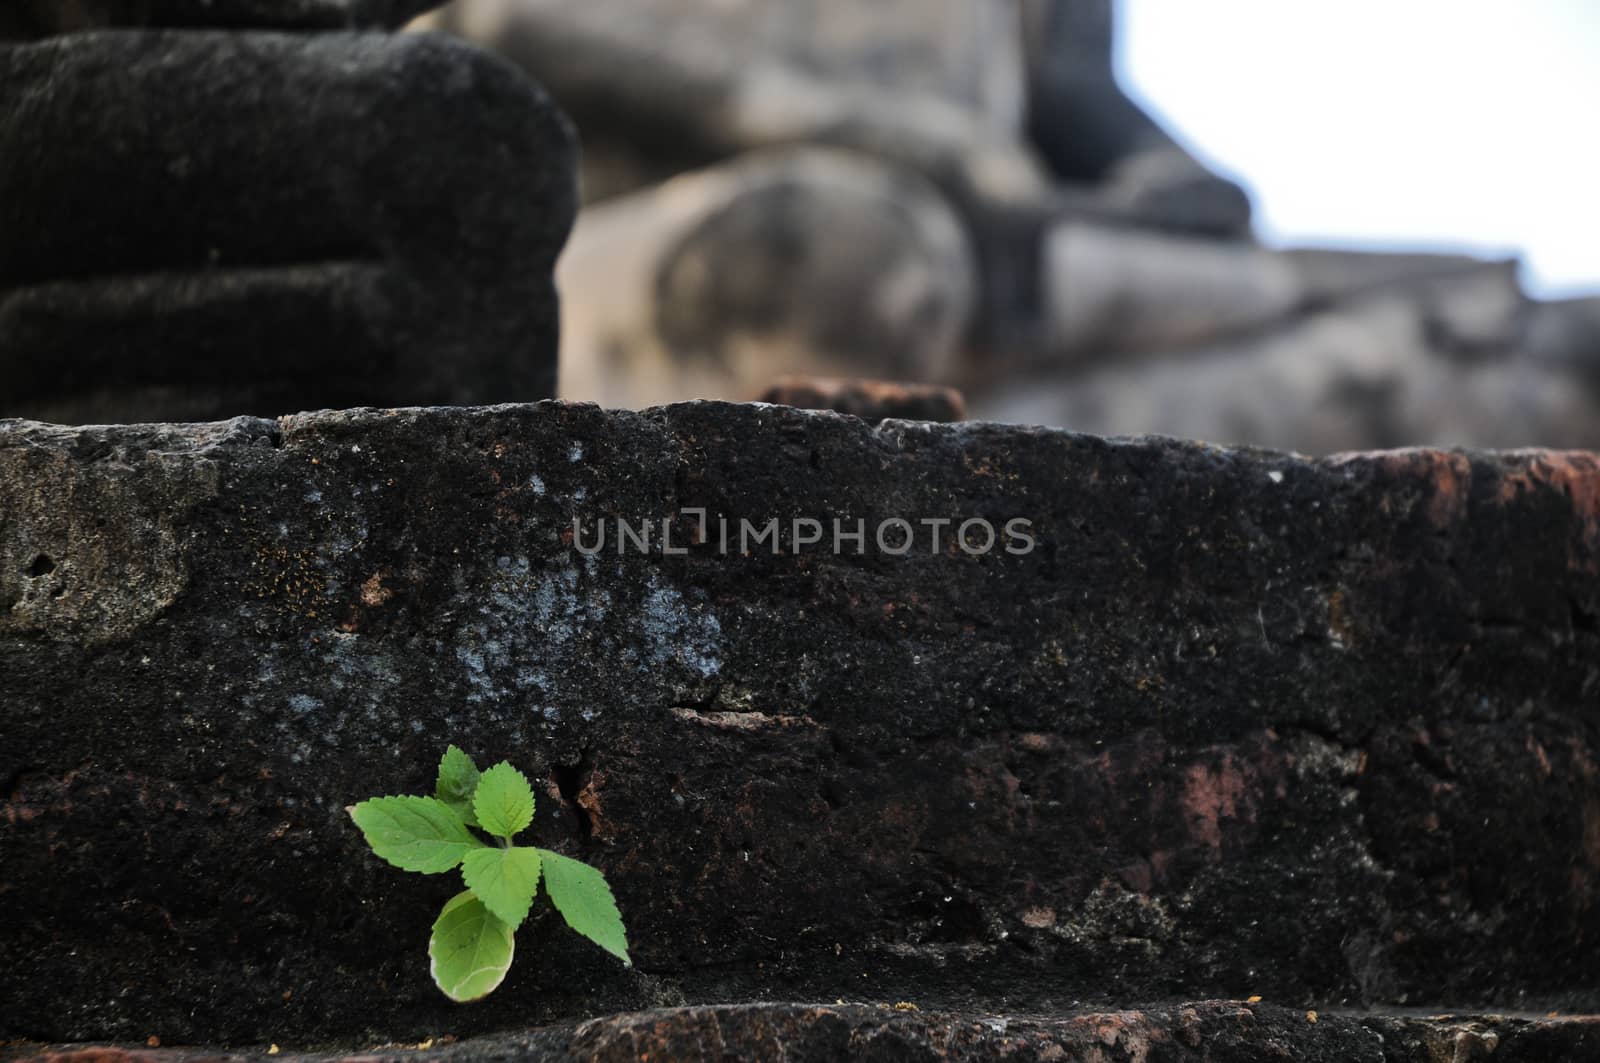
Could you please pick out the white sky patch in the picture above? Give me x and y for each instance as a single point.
(1455, 125)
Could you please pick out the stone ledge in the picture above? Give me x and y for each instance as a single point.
(1205, 1030)
(1240, 722)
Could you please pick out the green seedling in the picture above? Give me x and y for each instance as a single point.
(472, 942)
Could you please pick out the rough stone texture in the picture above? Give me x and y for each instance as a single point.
(871, 400)
(1214, 1031)
(198, 224)
(723, 280)
(1240, 723)
(44, 18)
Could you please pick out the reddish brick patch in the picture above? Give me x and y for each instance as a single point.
(871, 400)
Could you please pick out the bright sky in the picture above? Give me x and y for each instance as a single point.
(1445, 124)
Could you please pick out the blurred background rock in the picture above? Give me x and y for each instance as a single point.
(959, 192)
(219, 207)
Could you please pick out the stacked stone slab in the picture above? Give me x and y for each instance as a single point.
(1230, 723)
(825, 1032)
(206, 211)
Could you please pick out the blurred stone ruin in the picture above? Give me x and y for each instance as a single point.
(958, 192)
(210, 212)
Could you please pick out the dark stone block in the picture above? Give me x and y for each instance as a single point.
(201, 224)
(1238, 723)
(1213, 1031)
(44, 18)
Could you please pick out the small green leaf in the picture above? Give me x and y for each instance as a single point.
(504, 880)
(458, 781)
(470, 950)
(504, 801)
(581, 895)
(414, 833)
